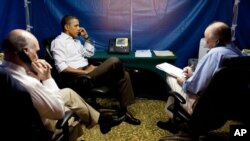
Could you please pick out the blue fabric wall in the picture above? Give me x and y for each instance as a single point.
(175, 25)
(12, 15)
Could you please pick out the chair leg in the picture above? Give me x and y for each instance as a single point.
(66, 133)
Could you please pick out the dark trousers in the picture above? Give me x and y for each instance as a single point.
(112, 72)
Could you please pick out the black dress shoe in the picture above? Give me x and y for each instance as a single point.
(107, 122)
(131, 120)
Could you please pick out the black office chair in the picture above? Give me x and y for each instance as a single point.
(21, 121)
(78, 82)
(225, 98)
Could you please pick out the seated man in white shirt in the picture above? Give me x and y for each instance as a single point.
(34, 74)
(72, 57)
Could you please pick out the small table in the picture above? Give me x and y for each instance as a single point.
(130, 61)
(147, 80)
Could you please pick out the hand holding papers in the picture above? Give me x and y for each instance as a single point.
(170, 69)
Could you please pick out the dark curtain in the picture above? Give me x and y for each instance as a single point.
(12, 15)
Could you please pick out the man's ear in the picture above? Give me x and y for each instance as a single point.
(66, 27)
(24, 50)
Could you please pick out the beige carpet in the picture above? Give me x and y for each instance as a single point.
(149, 112)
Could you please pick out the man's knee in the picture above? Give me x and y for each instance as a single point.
(67, 92)
(127, 75)
(114, 60)
(116, 64)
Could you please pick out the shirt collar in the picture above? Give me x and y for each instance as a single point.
(65, 36)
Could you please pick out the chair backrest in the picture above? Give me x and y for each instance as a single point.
(47, 49)
(48, 56)
(21, 118)
(226, 97)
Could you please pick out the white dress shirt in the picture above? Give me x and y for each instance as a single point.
(69, 52)
(45, 95)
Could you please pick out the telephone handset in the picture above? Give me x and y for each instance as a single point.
(25, 58)
(79, 35)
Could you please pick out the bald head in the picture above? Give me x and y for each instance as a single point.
(20, 46)
(18, 39)
(219, 32)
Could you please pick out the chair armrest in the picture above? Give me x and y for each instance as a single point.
(71, 76)
(83, 76)
(177, 97)
(178, 112)
(72, 79)
(101, 90)
(62, 122)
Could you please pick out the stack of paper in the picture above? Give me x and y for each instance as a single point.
(1, 57)
(143, 53)
(163, 53)
(170, 69)
(246, 52)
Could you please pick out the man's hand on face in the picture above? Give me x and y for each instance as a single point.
(42, 68)
(83, 32)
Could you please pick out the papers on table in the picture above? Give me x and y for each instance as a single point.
(163, 53)
(148, 53)
(143, 53)
(246, 52)
(1, 57)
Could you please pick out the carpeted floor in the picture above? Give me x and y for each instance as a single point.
(149, 112)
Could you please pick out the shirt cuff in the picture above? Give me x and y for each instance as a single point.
(89, 47)
(50, 84)
(184, 86)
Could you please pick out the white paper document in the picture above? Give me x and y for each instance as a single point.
(143, 53)
(170, 69)
(163, 53)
